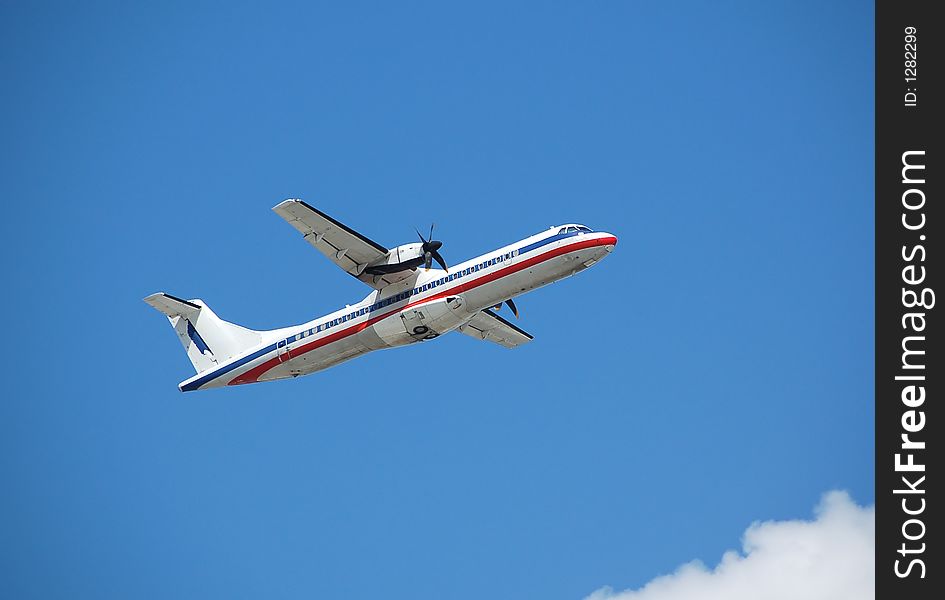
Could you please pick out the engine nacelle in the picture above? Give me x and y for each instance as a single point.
(401, 258)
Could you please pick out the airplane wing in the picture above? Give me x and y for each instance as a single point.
(342, 245)
(491, 327)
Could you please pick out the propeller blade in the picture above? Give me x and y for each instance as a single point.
(511, 305)
(431, 250)
(439, 259)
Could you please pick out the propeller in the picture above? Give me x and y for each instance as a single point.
(431, 250)
(511, 305)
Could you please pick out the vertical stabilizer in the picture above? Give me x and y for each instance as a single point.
(208, 339)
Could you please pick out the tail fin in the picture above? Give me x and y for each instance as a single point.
(208, 339)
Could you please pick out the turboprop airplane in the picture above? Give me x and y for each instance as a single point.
(411, 302)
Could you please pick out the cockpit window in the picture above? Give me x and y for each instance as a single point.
(575, 229)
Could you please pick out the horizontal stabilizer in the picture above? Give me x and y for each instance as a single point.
(172, 306)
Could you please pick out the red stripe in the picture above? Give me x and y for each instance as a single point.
(256, 372)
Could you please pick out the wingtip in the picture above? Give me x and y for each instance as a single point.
(285, 203)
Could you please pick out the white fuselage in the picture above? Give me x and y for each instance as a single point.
(421, 307)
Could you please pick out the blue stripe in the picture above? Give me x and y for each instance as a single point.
(548, 240)
(197, 340)
(193, 385)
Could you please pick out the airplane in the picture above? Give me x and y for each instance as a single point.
(411, 302)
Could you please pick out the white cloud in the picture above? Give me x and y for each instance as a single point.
(829, 558)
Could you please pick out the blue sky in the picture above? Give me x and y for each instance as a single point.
(715, 370)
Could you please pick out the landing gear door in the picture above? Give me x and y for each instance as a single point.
(414, 323)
